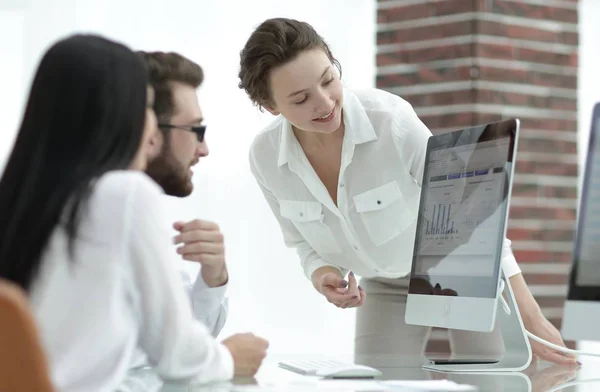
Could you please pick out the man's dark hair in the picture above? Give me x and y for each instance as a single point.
(164, 69)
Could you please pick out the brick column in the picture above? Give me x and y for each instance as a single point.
(468, 62)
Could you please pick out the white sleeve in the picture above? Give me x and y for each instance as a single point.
(178, 346)
(509, 263)
(209, 304)
(410, 135)
(309, 259)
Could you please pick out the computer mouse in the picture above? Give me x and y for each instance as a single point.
(348, 371)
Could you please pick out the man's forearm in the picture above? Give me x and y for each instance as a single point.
(214, 278)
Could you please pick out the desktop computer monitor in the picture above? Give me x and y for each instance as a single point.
(581, 319)
(456, 266)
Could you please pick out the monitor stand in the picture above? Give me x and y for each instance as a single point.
(517, 350)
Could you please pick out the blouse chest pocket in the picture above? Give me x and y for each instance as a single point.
(307, 217)
(384, 212)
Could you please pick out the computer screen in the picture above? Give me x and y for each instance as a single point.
(582, 308)
(462, 214)
(585, 274)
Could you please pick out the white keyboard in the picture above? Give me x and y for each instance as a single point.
(310, 368)
(329, 368)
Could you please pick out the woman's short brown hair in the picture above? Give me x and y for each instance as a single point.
(275, 42)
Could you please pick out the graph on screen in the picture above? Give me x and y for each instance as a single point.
(460, 211)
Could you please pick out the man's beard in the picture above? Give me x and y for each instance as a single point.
(170, 174)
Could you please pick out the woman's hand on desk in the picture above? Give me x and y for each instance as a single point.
(343, 294)
(541, 327)
(535, 322)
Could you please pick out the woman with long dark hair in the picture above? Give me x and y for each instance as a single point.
(85, 236)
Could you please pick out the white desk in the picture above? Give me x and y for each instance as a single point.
(539, 377)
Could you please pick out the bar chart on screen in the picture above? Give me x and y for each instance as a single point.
(460, 212)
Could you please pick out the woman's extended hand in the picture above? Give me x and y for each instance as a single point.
(343, 294)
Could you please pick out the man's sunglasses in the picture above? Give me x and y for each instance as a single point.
(199, 130)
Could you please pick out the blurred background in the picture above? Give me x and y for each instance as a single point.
(459, 62)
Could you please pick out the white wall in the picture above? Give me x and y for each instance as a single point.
(11, 77)
(268, 292)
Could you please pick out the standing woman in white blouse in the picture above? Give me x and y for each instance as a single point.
(341, 171)
(85, 235)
